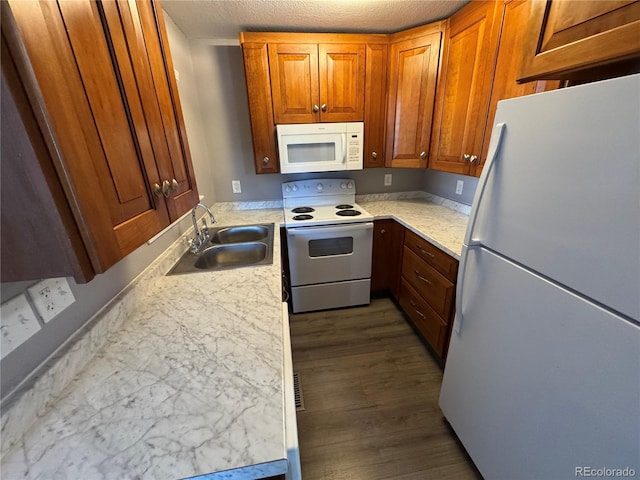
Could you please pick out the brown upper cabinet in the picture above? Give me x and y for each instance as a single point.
(317, 83)
(413, 72)
(479, 68)
(103, 97)
(570, 40)
(308, 78)
(463, 90)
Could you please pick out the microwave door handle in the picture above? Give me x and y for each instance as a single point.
(344, 148)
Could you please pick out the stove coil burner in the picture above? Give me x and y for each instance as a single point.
(303, 217)
(344, 206)
(348, 213)
(303, 210)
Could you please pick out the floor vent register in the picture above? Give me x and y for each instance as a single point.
(297, 392)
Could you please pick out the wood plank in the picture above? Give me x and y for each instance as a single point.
(371, 391)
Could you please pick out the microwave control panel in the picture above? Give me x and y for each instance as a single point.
(355, 143)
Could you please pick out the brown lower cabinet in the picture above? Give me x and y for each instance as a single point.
(388, 237)
(421, 277)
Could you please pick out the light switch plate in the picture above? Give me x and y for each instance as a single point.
(235, 186)
(459, 186)
(387, 179)
(50, 297)
(18, 323)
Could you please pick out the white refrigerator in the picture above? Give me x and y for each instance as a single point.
(542, 379)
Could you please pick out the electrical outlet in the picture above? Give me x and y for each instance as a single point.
(50, 297)
(17, 323)
(235, 186)
(387, 179)
(459, 186)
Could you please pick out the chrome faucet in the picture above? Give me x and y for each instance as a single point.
(202, 235)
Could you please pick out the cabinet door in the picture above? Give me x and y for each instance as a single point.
(294, 82)
(565, 37)
(263, 131)
(386, 266)
(341, 70)
(99, 74)
(106, 168)
(413, 69)
(462, 101)
(515, 18)
(375, 105)
(177, 167)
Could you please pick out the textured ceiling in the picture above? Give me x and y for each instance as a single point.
(223, 19)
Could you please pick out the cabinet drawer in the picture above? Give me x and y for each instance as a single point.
(431, 285)
(445, 264)
(428, 323)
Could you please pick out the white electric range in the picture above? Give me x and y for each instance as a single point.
(329, 241)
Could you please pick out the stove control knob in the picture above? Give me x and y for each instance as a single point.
(319, 187)
(294, 188)
(343, 185)
(287, 189)
(350, 185)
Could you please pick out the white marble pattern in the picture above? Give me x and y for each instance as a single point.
(415, 195)
(179, 376)
(440, 225)
(234, 311)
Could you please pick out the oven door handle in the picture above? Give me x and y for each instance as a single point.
(332, 229)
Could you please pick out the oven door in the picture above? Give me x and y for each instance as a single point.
(330, 253)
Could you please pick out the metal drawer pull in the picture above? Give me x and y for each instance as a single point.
(415, 307)
(174, 185)
(428, 254)
(421, 277)
(157, 190)
(315, 108)
(324, 107)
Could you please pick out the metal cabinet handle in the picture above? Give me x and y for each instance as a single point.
(428, 254)
(383, 231)
(423, 155)
(466, 157)
(265, 160)
(174, 185)
(324, 107)
(166, 186)
(374, 154)
(415, 307)
(157, 190)
(315, 108)
(425, 280)
(473, 158)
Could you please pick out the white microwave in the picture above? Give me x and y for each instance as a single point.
(320, 147)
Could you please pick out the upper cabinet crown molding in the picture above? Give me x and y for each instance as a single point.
(100, 81)
(566, 38)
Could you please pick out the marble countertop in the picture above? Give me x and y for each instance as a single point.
(190, 383)
(436, 223)
(189, 377)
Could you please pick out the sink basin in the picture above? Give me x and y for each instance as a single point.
(231, 255)
(230, 247)
(243, 233)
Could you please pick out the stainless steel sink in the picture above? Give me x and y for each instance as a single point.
(230, 247)
(243, 233)
(231, 255)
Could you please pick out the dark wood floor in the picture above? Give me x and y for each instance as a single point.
(370, 391)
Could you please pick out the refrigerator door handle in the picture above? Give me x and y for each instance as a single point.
(494, 148)
(459, 289)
